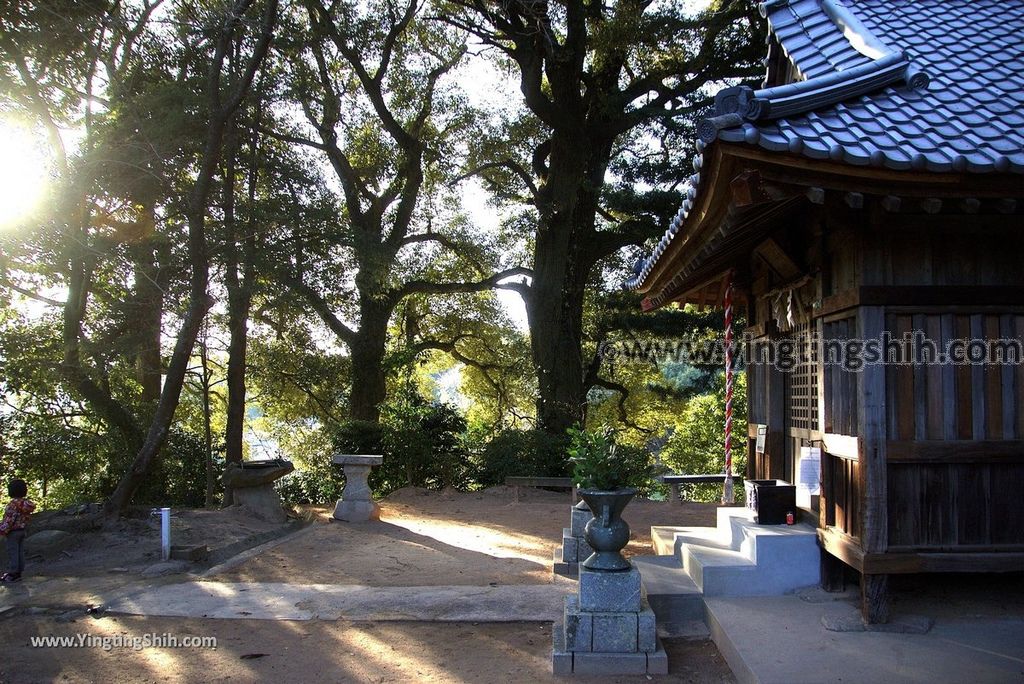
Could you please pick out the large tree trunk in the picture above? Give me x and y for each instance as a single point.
(240, 291)
(149, 305)
(563, 261)
(556, 318)
(369, 386)
(239, 304)
(73, 369)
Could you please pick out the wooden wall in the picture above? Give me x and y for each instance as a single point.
(950, 466)
(953, 433)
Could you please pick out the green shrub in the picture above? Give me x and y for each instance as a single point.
(521, 452)
(600, 463)
(311, 487)
(423, 445)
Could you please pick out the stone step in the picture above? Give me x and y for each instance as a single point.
(669, 590)
(691, 629)
(666, 539)
(718, 572)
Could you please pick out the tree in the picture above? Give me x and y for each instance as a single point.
(596, 75)
(221, 107)
(369, 82)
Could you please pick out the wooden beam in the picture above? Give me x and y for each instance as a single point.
(842, 546)
(922, 295)
(833, 573)
(797, 169)
(876, 603)
(778, 259)
(956, 451)
(912, 563)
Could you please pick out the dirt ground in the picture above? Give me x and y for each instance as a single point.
(251, 651)
(429, 538)
(96, 546)
(423, 538)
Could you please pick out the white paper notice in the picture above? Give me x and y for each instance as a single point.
(809, 481)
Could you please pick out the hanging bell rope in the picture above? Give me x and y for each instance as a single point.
(728, 493)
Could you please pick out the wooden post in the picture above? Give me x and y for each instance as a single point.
(775, 440)
(874, 596)
(833, 572)
(874, 508)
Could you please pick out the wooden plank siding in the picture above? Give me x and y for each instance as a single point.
(840, 398)
(955, 401)
(953, 452)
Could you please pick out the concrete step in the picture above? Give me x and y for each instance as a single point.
(737, 558)
(667, 540)
(671, 593)
(718, 572)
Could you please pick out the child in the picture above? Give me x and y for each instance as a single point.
(13, 527)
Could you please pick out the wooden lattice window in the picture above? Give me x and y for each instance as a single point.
(802, 381)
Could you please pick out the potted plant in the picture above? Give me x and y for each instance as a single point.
(607, 477)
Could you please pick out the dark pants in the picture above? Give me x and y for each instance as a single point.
(16, 551)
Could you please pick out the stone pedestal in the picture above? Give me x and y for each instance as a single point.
(575, 548)
(608, 628)
(251, 484)
(356, 503)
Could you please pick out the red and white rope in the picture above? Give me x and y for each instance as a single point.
(728, 495)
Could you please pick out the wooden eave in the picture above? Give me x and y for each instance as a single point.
(723, 162)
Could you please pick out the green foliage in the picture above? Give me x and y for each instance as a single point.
(179, 478)
(600, 463)
(521, 452)
(317, 486)
(697, 444)
(423, 445)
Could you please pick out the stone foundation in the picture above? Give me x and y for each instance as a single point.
(608, 628)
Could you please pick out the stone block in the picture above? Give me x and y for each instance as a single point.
(657, 662)
(646, 630)
(615, 632)
(558, 567)
(580, 518)
(609, 663)
(561, 660)
(609, 592)
(570, 546)
(579, 626)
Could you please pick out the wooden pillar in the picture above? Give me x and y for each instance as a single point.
(874, 597)
(775, 440)
(833, 572)
(873, 485)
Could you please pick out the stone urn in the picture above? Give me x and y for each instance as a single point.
(607, 533)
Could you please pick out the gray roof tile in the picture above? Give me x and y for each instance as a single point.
(970, 117)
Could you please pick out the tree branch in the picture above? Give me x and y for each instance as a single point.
(427, 287)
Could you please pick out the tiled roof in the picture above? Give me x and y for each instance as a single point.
(929, 85)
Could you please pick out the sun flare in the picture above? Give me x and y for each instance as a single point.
(22, 174)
